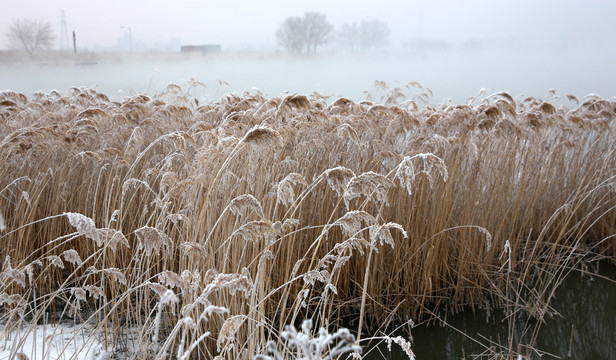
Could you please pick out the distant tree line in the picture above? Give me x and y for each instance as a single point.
(297, 34)
(365, 36)
(304, 34)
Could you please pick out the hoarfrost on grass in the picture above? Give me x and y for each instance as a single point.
(305, 346)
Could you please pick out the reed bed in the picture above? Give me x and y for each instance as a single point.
(184, 230)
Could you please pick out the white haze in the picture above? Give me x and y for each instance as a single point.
(524, 47)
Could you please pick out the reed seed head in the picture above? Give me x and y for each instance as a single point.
(84, 225)
(152, 240)
(370, 184)
(284, 189)
(72, 256)
(338, 178)
(261, 135)
(243, 204)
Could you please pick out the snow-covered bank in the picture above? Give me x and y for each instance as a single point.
(51, 342)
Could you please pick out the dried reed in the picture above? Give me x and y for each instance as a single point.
(264, 212)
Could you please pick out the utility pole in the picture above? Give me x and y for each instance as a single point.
(74, 42)
(130, 37)
(63, 33)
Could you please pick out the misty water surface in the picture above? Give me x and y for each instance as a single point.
(455, 75)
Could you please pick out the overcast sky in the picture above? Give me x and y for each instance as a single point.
(235, 23)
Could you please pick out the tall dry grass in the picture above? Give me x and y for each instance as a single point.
(179, 230)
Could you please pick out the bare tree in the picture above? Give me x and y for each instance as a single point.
(306, 33)
(292, 34)
(30, 35)
(367, 36)
(318, 31)
(374, 35)
(349, 37)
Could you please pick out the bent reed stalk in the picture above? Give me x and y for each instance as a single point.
(213, 231)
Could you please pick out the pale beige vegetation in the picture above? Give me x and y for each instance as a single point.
(209, 228)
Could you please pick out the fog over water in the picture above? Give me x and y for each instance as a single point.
(454, 48)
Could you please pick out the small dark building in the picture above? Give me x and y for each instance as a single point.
(205, 49)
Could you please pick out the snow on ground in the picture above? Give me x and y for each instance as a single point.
(51, 342)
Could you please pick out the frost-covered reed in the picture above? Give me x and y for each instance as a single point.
(215, 229)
